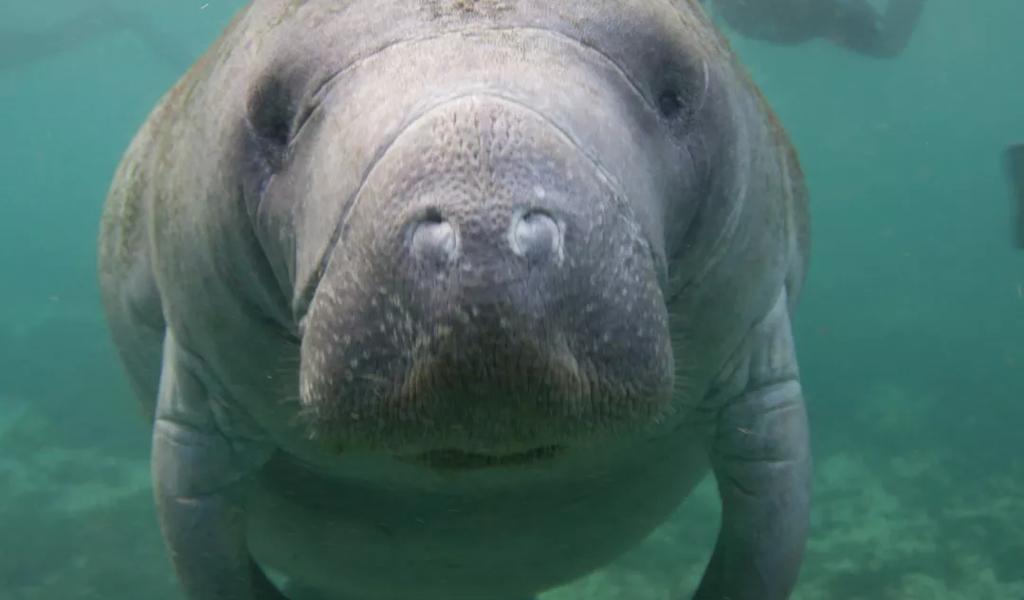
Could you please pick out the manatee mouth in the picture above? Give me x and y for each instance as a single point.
(453, 459)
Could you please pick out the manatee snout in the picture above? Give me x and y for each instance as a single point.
(491, 291)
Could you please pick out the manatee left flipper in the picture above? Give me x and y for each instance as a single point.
(200, 477)
(761, 459)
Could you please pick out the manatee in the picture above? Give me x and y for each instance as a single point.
(445, 300)
(856, 25)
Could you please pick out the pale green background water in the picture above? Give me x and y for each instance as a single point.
(911, 334)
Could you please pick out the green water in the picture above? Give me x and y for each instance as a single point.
(911, 331)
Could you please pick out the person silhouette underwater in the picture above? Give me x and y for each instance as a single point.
(856, 25)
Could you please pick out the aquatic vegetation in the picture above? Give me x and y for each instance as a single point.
(76, 524)
(898, 527)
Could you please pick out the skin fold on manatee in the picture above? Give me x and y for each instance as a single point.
(442, 300)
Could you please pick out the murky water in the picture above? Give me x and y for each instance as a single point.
(911, 331)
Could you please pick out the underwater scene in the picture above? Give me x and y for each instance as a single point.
(909, 329)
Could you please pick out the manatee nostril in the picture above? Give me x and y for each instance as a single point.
(434, 239)
(536, 236)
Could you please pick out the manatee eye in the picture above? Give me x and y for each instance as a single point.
(670, 103)
(271, 114)
(684, 93)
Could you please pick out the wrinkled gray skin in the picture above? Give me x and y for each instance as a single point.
(458, 300)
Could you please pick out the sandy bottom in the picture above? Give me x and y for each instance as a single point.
(78, 523)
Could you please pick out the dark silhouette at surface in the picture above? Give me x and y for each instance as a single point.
(852, 24)
(1015, 168)
(19, 48)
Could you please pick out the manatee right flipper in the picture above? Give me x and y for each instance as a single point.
(1015, 169)
(760, 454)
(200, 476)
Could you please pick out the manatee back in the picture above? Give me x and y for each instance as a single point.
(128, 282)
